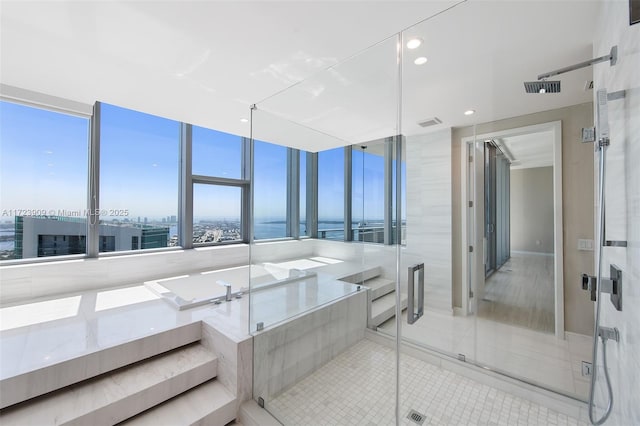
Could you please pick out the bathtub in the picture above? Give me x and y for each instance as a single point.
(196, 289)
(278, 291)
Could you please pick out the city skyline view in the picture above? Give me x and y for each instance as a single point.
(44, 159)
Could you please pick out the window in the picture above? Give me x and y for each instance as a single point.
(44, 170)
(216, 154)
(331, 194)
(217, 213)
(218, 187)
(139, 160)
(43, 182)
(368, 193)
(270, 191)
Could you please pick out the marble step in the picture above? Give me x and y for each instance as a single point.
(384, 308)
(362, 274)
(208, 404)
(21, 383)
(114, 397)
(380, 286)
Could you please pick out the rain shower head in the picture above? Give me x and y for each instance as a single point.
(542, 86)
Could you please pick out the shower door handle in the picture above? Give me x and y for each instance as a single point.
(412, 314)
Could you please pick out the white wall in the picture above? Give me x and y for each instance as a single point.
(623, 206)
(531, 210)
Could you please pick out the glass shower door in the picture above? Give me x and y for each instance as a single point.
(311, 296)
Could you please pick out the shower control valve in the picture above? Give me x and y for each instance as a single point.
(589, 284)
(611, 285)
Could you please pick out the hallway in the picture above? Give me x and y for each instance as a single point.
(521, 293)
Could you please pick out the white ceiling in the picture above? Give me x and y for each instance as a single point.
(205, 62)
(530, 150)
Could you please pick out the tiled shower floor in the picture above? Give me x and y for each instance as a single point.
(356, 388)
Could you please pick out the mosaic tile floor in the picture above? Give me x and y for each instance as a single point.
(356, 389)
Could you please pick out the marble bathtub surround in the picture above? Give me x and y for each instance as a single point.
(283, 300)
(102, 336)
(288, 352)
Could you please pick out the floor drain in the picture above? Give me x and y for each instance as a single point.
(416, 417)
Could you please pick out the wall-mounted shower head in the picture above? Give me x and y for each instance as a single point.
(542, 86)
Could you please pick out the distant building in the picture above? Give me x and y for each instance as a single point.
(40, 236)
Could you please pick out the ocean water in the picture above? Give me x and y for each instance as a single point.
(6, 245)
(278, 229)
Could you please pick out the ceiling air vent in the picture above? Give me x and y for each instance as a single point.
(430, 122)
(588, 85)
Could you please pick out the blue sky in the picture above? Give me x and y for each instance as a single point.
(43, 159)
(43, 156)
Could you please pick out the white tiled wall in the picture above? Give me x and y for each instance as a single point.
(622, 205)
(429, 214)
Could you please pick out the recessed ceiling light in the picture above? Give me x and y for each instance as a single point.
(414, 43)
(244, 120)
(470, 112)
(421, 60)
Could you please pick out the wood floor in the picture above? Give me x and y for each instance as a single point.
(521, 293)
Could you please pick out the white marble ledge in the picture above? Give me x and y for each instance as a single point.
(44, 333)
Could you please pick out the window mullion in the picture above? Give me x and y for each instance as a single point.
(93, 188)
(293, 193)
(348, 186)
(312, 195)
(185, 219)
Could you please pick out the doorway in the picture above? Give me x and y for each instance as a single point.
(514, 227)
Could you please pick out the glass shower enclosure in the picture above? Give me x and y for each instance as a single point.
(312, 292)
(367, 266)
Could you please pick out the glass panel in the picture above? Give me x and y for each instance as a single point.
(216, 153)
(483, 300)
(138, 180)
(270, 191)
(43, 182)
(331, 194)
(312, 296)
(368, 199)
(217, 213)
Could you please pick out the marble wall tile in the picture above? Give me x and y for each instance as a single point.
(363, 253)
(622, 208)
(277, 251)
(288, 352)
(429, 208)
